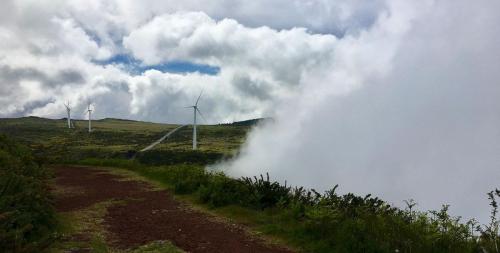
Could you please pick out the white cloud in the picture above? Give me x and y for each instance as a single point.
(254, 63)
(230, 45)
(409, 110)
(338, 17)
(49, 38)
(259, 66)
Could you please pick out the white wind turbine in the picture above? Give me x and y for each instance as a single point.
(195, 111)
(89, 111)
(68, 110)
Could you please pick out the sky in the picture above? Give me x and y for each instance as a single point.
(396, 98)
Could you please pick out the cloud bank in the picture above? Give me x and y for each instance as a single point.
(410, 109)
(68, 50)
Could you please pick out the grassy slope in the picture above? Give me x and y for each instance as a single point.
(112, 137)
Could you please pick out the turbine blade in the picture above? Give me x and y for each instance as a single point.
(203, 117)
(198, 98)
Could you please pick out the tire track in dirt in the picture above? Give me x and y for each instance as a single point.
(150, 215)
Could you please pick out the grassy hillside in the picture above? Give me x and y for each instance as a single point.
(114, 138)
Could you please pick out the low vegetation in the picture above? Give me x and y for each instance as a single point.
(27, 218)
(51, 141)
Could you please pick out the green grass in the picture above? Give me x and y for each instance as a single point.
(82, 229)
(51, 141)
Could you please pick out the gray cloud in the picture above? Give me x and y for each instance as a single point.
(13, 93)
(28, 108)
(68, 76)
(12, 76)
(253, 88)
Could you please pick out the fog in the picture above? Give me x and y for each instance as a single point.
(410, 109)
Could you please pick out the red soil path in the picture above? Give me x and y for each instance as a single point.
(149, 215)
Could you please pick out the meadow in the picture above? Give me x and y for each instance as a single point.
(306, 220)
(52, 141)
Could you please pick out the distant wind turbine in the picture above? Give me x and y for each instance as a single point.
(89, 111)
(195, 110)
(68, 110)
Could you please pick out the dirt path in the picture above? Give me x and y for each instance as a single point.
(145, 215)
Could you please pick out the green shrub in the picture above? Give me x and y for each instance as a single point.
(184, 179)
(220, 190)
(187, 179)
(490, 239)
(265, 194)
(27, 217)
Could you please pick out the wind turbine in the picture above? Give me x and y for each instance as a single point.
(68, 110)
(89, 111)
(195, 111)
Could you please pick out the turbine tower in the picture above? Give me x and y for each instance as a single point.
(195, 111)
(68, 110)
(89, 111)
